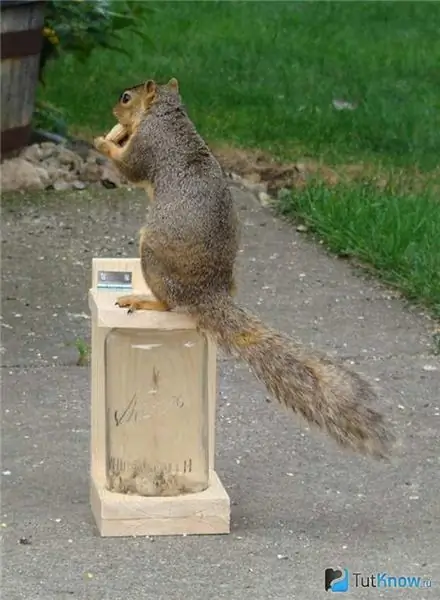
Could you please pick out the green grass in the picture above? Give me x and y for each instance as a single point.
(398, 235)
(264, 75)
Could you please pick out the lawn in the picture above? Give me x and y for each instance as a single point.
(272, 75)
(396, 234)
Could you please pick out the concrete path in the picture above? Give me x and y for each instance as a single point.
(299, 504)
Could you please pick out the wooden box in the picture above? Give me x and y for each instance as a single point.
(177, 431)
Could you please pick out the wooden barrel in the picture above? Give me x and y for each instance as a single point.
(21, 28)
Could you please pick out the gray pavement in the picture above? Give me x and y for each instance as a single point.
(299, 503)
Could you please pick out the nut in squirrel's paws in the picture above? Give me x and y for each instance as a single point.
(118, 134)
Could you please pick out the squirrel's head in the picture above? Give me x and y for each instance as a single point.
(134, 102)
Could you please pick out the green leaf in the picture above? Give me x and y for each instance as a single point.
(115, 49)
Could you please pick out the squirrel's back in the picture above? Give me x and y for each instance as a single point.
(192, 195)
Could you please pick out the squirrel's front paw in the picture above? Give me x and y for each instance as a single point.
(108, 148)
(102, 145)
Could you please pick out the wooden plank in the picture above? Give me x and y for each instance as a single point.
(207, 512)
(212, 395)
(19, 78)
(120, 264)
(112, 316)
(98, 412)
(21, 16)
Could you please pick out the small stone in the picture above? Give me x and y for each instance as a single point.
(47, 149)
(24, 541)
(48, 146)
(61, 185)
(32, 153)
(79, 185)
(53, 170)
(96, 157)
(80, 147)
(91, 171)
(264, 198)
(44, 176)
(110, 178)
(57, 172)
(301, 167)
(256, 188)
(253, 177)
(70, 176)
(69, 158)
(302, 228)
(19, 174)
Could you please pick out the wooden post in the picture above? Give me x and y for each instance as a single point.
(152, 416)
(21, 30)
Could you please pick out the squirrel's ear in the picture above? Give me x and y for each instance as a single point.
(150, 86)
(173, 85)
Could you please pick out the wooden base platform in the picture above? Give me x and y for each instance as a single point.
(120, 515)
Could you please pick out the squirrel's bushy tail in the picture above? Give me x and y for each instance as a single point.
(325, 393)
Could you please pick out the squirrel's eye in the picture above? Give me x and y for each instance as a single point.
(125, 98)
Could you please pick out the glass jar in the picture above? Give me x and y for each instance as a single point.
(157, 412)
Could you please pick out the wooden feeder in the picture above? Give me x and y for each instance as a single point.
(153, 415)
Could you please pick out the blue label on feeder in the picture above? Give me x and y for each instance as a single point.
(115, 280)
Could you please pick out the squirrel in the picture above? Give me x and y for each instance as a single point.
(188, 249)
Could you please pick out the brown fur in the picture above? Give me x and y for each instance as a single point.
(188, 249)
